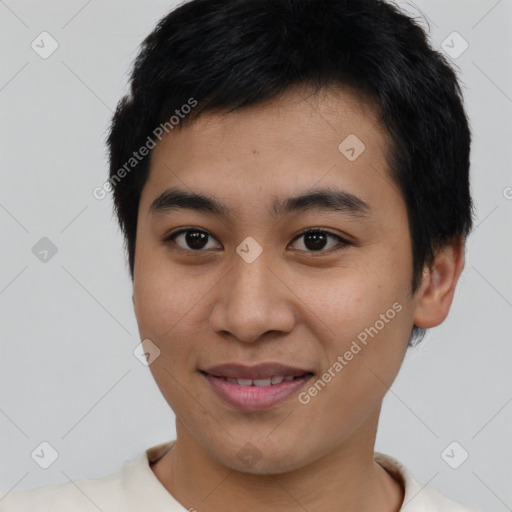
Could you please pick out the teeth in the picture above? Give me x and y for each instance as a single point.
(277, 379)
(262, 382)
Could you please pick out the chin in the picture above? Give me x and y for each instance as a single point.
(262, 458)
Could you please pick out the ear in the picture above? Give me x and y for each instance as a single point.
(435, 295)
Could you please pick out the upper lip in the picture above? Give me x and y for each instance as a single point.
(260, 371)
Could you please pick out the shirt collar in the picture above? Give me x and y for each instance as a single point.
(137, 475)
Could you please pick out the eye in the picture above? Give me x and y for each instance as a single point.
(191, 239)
(314, 240)
(317, 240)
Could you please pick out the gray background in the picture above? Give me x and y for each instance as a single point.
(68, 375)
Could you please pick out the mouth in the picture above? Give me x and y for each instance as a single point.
(271, 381)
(258, 387)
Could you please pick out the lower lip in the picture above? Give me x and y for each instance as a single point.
(255, 398)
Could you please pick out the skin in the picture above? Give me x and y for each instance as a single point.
(291, 305)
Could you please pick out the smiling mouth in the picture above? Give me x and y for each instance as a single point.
(269, 381)
(255, 389)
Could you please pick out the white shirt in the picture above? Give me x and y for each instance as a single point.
(136, 489)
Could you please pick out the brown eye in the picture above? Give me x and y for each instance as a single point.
(317, 240)
(191, 239)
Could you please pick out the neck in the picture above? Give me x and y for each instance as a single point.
(347, 478)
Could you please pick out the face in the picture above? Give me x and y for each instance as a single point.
(297, 254)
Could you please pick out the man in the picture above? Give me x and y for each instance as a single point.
(292, 180)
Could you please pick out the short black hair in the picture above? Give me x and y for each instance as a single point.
(227, 54)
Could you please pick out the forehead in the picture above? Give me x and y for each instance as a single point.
(286, 144)
(303, 113)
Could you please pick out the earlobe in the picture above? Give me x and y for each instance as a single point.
(435, 296)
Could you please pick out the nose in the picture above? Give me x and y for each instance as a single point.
(253, 299)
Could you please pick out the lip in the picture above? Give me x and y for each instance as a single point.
(260, 371)
(255, 398)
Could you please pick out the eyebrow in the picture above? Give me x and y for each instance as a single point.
(323, 199)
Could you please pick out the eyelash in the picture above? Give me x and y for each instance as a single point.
(170, 239)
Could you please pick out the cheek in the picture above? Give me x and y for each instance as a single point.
(167, 313)
(171, 306)
(348, 300)
(364, 318)
(160, 298)
(362, 356)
